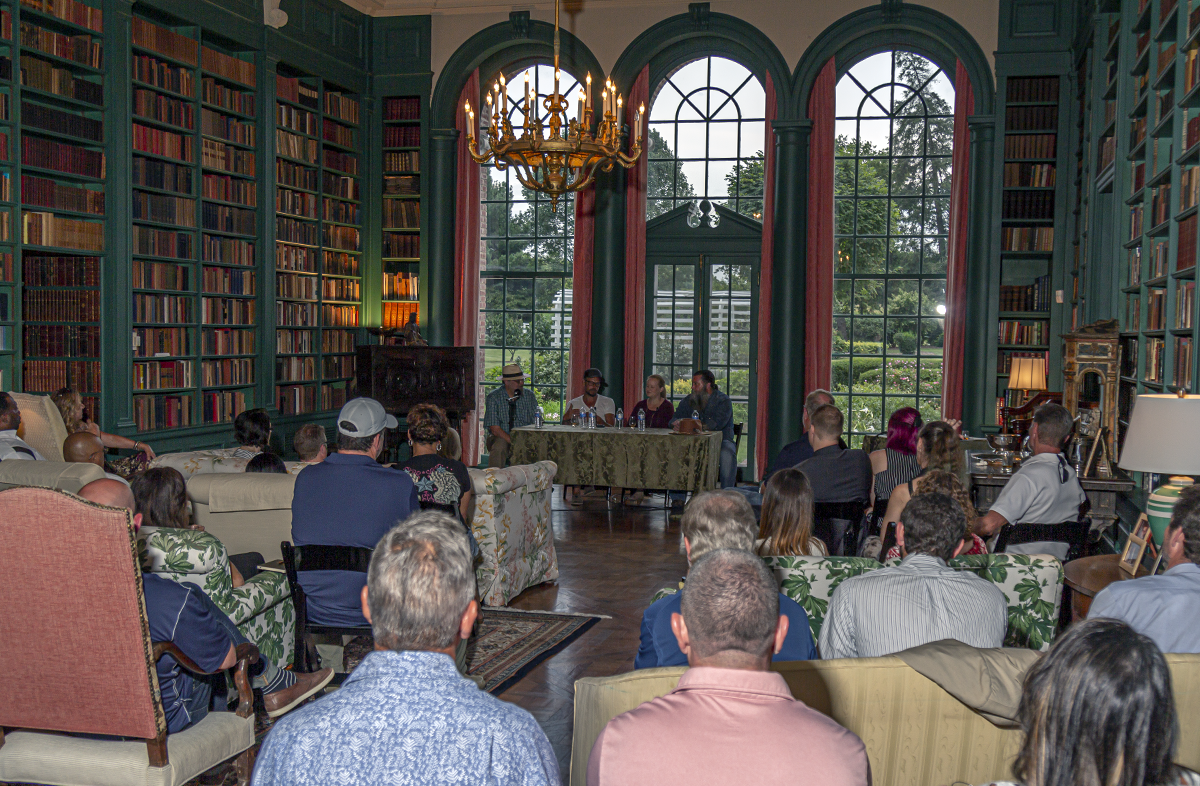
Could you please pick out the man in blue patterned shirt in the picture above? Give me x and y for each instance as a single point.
(406, 716)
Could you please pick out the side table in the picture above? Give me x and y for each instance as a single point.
(1088, 575)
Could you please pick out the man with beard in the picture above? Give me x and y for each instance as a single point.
(12, 446)
(715, 411)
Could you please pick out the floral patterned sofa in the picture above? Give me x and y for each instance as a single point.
(203, 462)
(261, 608)
(512, 524)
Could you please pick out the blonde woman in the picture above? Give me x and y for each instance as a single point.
(76, 419)
(787, 517)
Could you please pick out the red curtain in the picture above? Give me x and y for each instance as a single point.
(954, 341)
(635, 252)
(818, 349)
(468, 322)
(761, 421)
(581, 290)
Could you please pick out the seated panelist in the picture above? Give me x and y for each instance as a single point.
(591, 400)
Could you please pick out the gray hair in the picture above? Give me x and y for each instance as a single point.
(817, 399)
(420, 583)
(730, 602)
(721, 519)
(1054, 424)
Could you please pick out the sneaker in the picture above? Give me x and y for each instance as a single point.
(306, 685)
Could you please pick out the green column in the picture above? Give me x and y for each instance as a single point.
(608, 282)
(977, 361)
(785, 394)
(117, 328)
(439, 250)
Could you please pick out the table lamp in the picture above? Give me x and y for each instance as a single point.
(1162, 437)
(1027, 374)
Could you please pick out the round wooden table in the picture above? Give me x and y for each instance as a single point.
(1088, 575)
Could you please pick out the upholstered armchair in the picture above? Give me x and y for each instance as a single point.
(261, 608)
(512, 525)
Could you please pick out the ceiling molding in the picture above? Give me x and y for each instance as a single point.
(453, 7)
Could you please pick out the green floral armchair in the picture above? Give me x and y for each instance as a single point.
(261, 608)
(1032, 584)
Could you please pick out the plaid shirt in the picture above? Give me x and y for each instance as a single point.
(496, 410)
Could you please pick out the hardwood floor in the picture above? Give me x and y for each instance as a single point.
(610, 562)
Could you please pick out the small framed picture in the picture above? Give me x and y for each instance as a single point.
(1135, 546)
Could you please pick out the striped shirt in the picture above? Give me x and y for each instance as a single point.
(900, 469)
(919, 601)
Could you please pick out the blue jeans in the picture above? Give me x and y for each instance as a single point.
(728, 464)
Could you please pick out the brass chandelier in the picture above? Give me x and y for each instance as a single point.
(567, 159)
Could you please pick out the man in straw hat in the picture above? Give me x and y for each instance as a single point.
(507, 408)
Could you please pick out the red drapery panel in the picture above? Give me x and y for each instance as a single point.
(467, 248)
(818, 350)
(954, 341)
(635, 253)
(581, 290)
(764, 285)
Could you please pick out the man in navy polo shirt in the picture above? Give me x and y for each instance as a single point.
(349, 499)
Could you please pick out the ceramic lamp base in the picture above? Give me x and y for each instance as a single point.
(1161, 504)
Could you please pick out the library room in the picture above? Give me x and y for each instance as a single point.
(455, 391)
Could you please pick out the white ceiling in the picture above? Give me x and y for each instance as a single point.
(437, 7)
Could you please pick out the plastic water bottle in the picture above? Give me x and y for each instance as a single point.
(578, 420)
(641, 420)
(591, 419)
(539, 419)
(620, 417)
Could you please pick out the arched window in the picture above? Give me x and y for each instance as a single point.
(526, 275)
(894, 131)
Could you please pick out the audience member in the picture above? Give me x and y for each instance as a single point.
(182, 613)
(442, 483)
(920, 600)
(836, 474)
(939, 481)
(349, 499)
(938, 448)
(76, 419)
(785, 528)
(507, 407)
(896, 464)
(658, 408)
(267, 462)
(1044, 490)
(406, 716)
(12, 446)
(1098, 709)
(1165, 608)
(309, 443)
(84, 447)
(592, 400)
(715, 520)
(252, 430)
(795, 452)
(730, 719)
(714, 410)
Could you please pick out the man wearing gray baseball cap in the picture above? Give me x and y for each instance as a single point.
(349, 499)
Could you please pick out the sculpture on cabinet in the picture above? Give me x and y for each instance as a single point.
(1091, 368)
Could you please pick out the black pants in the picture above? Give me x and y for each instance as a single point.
(247, 564)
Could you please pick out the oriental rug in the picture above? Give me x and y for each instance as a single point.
(509, 643)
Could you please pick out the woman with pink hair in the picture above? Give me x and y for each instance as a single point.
(896, 464)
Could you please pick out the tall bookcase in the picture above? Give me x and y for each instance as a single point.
(62, 169)
(401, 209)
(318, 241)
(9, 306)
(1029, 245)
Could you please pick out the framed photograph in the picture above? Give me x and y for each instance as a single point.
(1135, 546)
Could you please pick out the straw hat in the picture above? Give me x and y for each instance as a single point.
(513, 371)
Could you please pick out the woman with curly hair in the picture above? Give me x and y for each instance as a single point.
(76, 419)
(442, 483)
(787, 517)
(939, 481)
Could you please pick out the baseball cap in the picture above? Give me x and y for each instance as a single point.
(363, 417)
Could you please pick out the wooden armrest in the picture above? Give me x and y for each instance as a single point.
(247, 654)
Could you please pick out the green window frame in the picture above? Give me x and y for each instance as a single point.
(894, 129)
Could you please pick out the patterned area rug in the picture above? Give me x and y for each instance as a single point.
(509, 643)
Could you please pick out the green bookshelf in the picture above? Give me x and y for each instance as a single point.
(401, 250)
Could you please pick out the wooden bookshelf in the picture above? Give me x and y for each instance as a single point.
(401, 218)
(10, 327)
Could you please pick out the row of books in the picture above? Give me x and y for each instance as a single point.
(234, 371)
(161, 175)
(289, 230)
(407, 161)
(50, 375)
(402, 136)
(62, 157)
(1166, 55)
(1191, 132)
(227, 67)
(71, 11)
(337, 366)
(334, 396)
(229, 189)
(346, 238)
(164, 209)
(396, 246)
(228, 281)
(60, 122)
(296, 119)
(162, 375)
(339, 263)
(161, 74)
(222, 406)
(1191, 69)
(401, 214)
(1031, 118)
(299, 259)
(1027, 239)
(1030, 145)
(293, 287)
(1155, 360)
(72, 341)
(148, 35)
(401, 286)
(342, 186)
(294, 342)
(1158, 259)
(1135, 222)
(1028, 205)
(1026, 297)
(226, 311)
(228, 250)
(158, 142)
(227, 341)
(340, 316)
(1182, 377)
(161, 275)
(342, 162)
(296, 203)
(218, 155)
(213, 92)
(152, 242)
(1005, 357)
(289, 174)
(292, 89)
(401, 185)
(338, 341)
(1108, 152)
(150, 308)
(41, 75)
(348, 289)
(82, 48)
(337, 133)
(293, 313)
(60, 271)
(396, 314)
(59, 305)
(296, 399)
(343, 212)
(1185, 303)
(1133, 312)
(341, 106)
(160, 412)
(1156, 308)
(6, 266)
(407, 108)
(1186, 255)
(1189, 187)
(48, 229)
(228, 128)
(1017, 175)
(157, 106)
(1032, 89)
(50, 193)
(155, 341)
(1029, 333)
(296, 146)
(1160, 204)
(297, 368)
(225, 218)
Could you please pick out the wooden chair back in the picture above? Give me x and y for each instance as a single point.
(297, 559)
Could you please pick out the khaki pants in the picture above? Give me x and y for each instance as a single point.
(498, 451)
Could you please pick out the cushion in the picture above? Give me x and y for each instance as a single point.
(42, 425)
(58, 759)
(219, 460)
(535, 477)
(226, 493)
(61, 475)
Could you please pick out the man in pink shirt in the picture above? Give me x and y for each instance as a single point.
(730, 719)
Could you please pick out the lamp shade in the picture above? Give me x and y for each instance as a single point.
(1163, 436)
(1027, 374)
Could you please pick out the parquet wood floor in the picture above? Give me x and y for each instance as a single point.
(610, 562)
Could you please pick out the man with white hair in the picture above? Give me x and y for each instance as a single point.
(406, 715)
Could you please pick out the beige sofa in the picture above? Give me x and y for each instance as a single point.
(915, 732)
(246, 512)
(61, 475)
(42, 425)
(219, 460)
